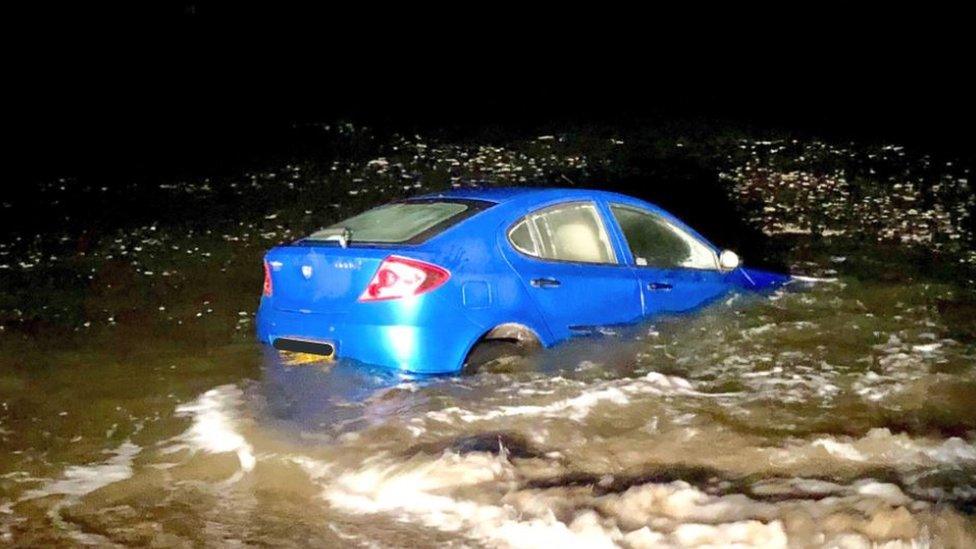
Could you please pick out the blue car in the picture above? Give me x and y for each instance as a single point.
(453, 280)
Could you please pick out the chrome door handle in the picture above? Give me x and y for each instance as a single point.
(658, 286)
(547, 282)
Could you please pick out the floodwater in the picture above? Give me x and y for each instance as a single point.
(137, 409)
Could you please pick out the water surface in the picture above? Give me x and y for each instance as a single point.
(136, 407)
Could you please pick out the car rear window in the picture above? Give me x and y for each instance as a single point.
(408, 222)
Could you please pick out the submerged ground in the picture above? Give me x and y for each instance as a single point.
(136, 407)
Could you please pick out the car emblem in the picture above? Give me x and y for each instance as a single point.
(307, 271)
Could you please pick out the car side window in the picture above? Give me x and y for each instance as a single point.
(521, 237)
(655, 242)
(565, 232)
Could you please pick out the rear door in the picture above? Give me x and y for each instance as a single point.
(676, 270)
(568, 265)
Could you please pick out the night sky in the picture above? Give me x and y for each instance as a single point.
(194, 88)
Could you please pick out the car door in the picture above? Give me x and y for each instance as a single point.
(676, 270)
(564, 255)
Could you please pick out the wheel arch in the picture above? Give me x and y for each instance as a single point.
(515, 332)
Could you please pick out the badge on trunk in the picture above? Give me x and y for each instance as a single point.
(307, 271)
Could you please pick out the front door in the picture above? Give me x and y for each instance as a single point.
(568, 266)
(677, 272)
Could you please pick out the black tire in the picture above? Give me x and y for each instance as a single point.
(496, 356)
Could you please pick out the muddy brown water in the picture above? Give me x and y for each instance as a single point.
(839, 411)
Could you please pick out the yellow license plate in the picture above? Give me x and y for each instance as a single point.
(291, 358)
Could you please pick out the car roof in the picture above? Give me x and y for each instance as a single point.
(520, 198)
(508, 194)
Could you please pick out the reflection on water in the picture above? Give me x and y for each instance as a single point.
(839, 412)
(324, 399)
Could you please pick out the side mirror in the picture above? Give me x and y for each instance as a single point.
(728, 260)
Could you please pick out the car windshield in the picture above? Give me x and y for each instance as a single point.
(400, 222)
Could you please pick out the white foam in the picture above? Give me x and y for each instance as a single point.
(618, 392)
(751, 533)
(891, 493)
(881, 446)
(842, 450)
(476, 494)
(927, 347)
(415, 489)
(79, 480)
(213, 424)
(951, 451)
(813, 279)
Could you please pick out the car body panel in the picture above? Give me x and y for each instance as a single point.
(316, 286)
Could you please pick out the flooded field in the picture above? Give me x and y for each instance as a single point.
(136, 407)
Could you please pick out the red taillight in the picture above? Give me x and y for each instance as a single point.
(267, 280)
(400, 277)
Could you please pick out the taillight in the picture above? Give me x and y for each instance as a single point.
(267, 280)
(400, 277)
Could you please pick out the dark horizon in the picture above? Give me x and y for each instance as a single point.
(173, 135)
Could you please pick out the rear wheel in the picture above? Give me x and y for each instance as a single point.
(497, 356)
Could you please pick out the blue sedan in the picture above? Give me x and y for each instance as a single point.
(453, 280)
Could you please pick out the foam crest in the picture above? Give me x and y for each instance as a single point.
(78, 480)
(479, 496)
(577, 408)
(213, 428)
(881, 446)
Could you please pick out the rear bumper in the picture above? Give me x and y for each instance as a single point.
(422, 348)
(323, 348)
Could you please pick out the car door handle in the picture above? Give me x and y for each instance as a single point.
(547, 282)
(658, 286)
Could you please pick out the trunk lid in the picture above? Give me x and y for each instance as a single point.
(321, 279)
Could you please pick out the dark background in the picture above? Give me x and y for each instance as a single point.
(139, 107)
(199, 88)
